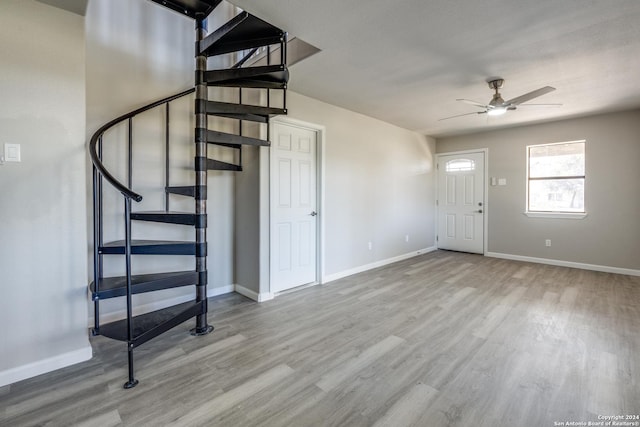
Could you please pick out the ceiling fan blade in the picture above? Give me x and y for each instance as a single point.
(460, 115)
(540, 105)
(527, 96)
(476, 103)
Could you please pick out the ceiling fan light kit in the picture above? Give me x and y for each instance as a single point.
(498, 106)
(498, 111)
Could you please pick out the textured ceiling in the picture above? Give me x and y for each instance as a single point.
(406, 62)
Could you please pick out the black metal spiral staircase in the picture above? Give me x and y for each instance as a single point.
(240, 38)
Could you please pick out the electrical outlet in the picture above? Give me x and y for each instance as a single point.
(370, 245)
(406, 238)
(547, 242)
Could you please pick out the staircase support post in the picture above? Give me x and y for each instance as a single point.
(132, 382)
(96, 251)
(202, 327)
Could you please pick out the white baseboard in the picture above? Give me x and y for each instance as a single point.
(33, 369)
(220, 291)
(356, 270)
(259, 297)
(571, 264)
(158, 305)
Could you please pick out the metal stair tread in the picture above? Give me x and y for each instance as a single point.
(111, 287)
(171, 217)
(254, 113)
(217, 137)
(244, 31)
(183, 190)
(190, 8)
(251, 84)
(150, 247)
(222, 166)
(161, 212)
(150, 325)
(269, 76)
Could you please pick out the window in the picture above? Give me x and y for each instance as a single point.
(460, 165)
(555, 178)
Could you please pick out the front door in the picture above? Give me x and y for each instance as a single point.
(461, 202)
(293, 207)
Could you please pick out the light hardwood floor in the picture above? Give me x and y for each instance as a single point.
(444, 339)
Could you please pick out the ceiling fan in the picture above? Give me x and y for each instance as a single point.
(498, 106)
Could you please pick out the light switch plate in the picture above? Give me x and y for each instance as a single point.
(502, 181)
(11, 152)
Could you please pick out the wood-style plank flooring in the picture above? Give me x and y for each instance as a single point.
(443, 339)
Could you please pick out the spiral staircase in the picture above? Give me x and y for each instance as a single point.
(241, 39)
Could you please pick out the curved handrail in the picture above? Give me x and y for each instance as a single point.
(95, 159)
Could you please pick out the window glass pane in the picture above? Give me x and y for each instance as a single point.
(556, 195)
(459, 165)
(556, 160)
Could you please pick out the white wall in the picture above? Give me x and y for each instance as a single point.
(42, 210)
(139, 52)
(610, 234)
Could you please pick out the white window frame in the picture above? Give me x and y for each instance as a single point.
(552, 214)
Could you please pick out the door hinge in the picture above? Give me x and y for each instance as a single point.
(437, 203)
(437, 238)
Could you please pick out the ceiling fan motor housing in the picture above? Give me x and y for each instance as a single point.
(496, 100)
(496, 84)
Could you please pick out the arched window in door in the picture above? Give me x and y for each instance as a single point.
(460, 165)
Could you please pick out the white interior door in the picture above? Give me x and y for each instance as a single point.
(461, 202)
(293, 207)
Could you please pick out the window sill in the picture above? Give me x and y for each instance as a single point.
(556, 215)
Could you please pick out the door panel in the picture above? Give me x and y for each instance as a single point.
(304, 175)
(469, 227)
(293, 244)
(451, 189)
(469, 190)
(461, 202)
(284, 181)
(284, 254)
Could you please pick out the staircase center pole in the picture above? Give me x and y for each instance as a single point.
(202, 327)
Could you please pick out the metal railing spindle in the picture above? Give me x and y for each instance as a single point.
(166, 158)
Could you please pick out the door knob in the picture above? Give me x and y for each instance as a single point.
(314, 213)
(478, 211)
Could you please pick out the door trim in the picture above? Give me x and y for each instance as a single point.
(485, 202)
(320, 132)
